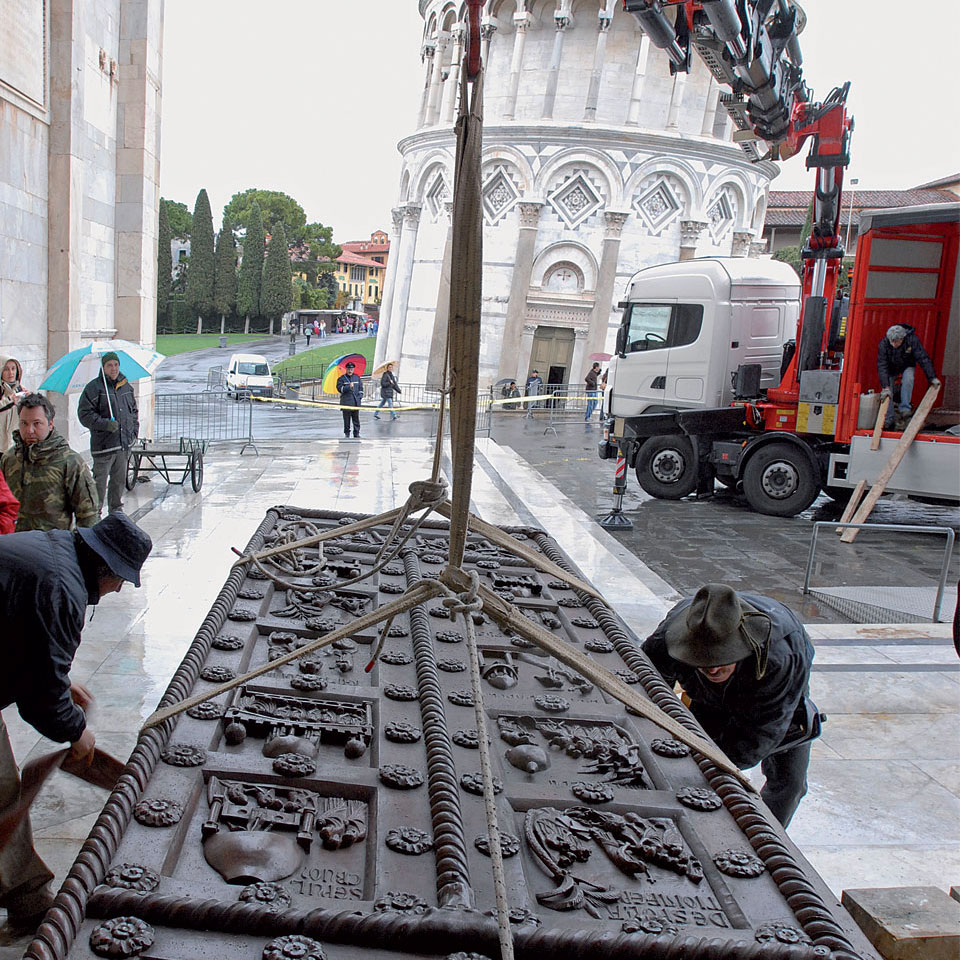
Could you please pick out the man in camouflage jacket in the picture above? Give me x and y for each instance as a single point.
(51, 481)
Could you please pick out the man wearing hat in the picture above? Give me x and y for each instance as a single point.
(47, 579)
(108, 409)
(744, 662)
(898, 354)
(532, 389)
(350, 388)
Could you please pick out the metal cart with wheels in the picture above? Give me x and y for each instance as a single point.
(148, 456)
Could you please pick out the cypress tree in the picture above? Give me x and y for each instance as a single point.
(164, 267)
(201, 274)
(225, 282)
(275, 293)
(251, 268)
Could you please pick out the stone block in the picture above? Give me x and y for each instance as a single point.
(907, 923)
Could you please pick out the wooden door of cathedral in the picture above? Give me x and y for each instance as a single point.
(552, 353)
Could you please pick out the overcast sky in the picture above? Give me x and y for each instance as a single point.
(311, 96)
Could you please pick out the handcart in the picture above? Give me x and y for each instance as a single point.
(148, 456)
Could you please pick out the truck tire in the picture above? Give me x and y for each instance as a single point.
(667, 467)
(779, 480)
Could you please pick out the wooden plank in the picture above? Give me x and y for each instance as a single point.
(878, 426)
(852, 504)
(900, 451)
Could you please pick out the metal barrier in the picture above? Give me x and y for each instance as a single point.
(208, 416)
(215, 378)
(850, 604)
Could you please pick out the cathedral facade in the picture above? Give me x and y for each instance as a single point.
(596, 163)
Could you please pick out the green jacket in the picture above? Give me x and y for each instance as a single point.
(52, 483)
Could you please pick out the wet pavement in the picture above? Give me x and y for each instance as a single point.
(884, 802)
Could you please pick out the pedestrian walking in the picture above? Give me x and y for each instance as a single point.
(350, 388)
(308, 332)
(47, 579)
(321, 329)
(744, 661)
(108, 409)
(11, 392)
(388, 387)
(50, 480)
(592, 380)
(533, 388)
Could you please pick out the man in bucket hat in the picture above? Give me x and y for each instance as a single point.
(744, 662)
(47, 579)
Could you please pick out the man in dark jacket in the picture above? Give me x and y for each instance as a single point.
(532, 388)
(108, 409)
(47, 579)
(744, 661)
(898, 354)
(50, 480)
(591, 382)
(388, 387)
(350, 388)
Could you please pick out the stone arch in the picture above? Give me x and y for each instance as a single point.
(430, 29)
(685, 174)
(742, 190)
(515, 159)
(759, 213)
(436, 160)
(724, 207)
(566, 252)
(405, 186)
(592, 160)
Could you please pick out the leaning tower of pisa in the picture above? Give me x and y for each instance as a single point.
(596, 163)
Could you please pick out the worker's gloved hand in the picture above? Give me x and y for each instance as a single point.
(935, 382)
(886, 392)
(82, 750)
(113, 426)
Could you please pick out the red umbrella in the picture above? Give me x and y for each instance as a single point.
(602, 357)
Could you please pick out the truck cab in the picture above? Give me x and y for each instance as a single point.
(688, 326)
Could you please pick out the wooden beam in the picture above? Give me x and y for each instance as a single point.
(852, 504)
(899, 452)
(878, 426)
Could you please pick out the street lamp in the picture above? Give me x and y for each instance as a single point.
(853, 182)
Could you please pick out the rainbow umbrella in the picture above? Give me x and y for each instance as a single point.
(338, 367)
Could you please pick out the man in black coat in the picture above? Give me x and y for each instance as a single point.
(47, 579)
(744, 661)
(898, 355)
(108, 409)
(350, 388)
(388, 387)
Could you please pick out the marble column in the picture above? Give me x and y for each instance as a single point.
(487, 29)
(529, 214)
(676, 100)
(520, 23)
(603, 300)
(561, 22)
(398, 310)
(690, 231)
(710, 108)
(441, 316)
(389, 285)
(740, 246)
(596, 76)
(523, 355)
(639, 76)
(579, 364)
(436, 81)
(451, 85)
(426, 55)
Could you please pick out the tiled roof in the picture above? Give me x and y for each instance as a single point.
(788, 208)
(365, 246)
(954, 178)
(352, 258)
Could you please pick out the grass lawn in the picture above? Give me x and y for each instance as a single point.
(171, 344)
(312, 363)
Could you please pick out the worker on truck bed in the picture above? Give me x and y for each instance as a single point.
(744, 661)
(898, 353)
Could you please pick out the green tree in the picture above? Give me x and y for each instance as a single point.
(276, 292)
(320, 240)
(298, 289)
(200, 278)
(164, 267)
(275, 207)
(225, 282)
(792, 255)
(251, 268)
(328, 282)
(179, 217)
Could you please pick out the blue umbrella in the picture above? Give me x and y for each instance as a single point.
(73, 370)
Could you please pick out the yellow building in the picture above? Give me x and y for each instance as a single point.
(361, 279)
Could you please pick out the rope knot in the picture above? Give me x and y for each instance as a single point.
(465, 602)
(426, 493)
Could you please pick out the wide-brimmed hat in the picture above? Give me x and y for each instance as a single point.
(120, 543)
(719, 628)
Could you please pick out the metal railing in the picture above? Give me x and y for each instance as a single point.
(947, 532)
(215, 378)
(207, 416)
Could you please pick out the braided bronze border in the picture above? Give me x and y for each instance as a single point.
(455, 929)
(62, 922)
(453, 872)
(805, 902)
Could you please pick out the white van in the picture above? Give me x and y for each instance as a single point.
(248, 374)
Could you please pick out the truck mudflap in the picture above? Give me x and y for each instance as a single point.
(693, 423)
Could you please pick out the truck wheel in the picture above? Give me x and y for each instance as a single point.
(667, 468)
(779, 480)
